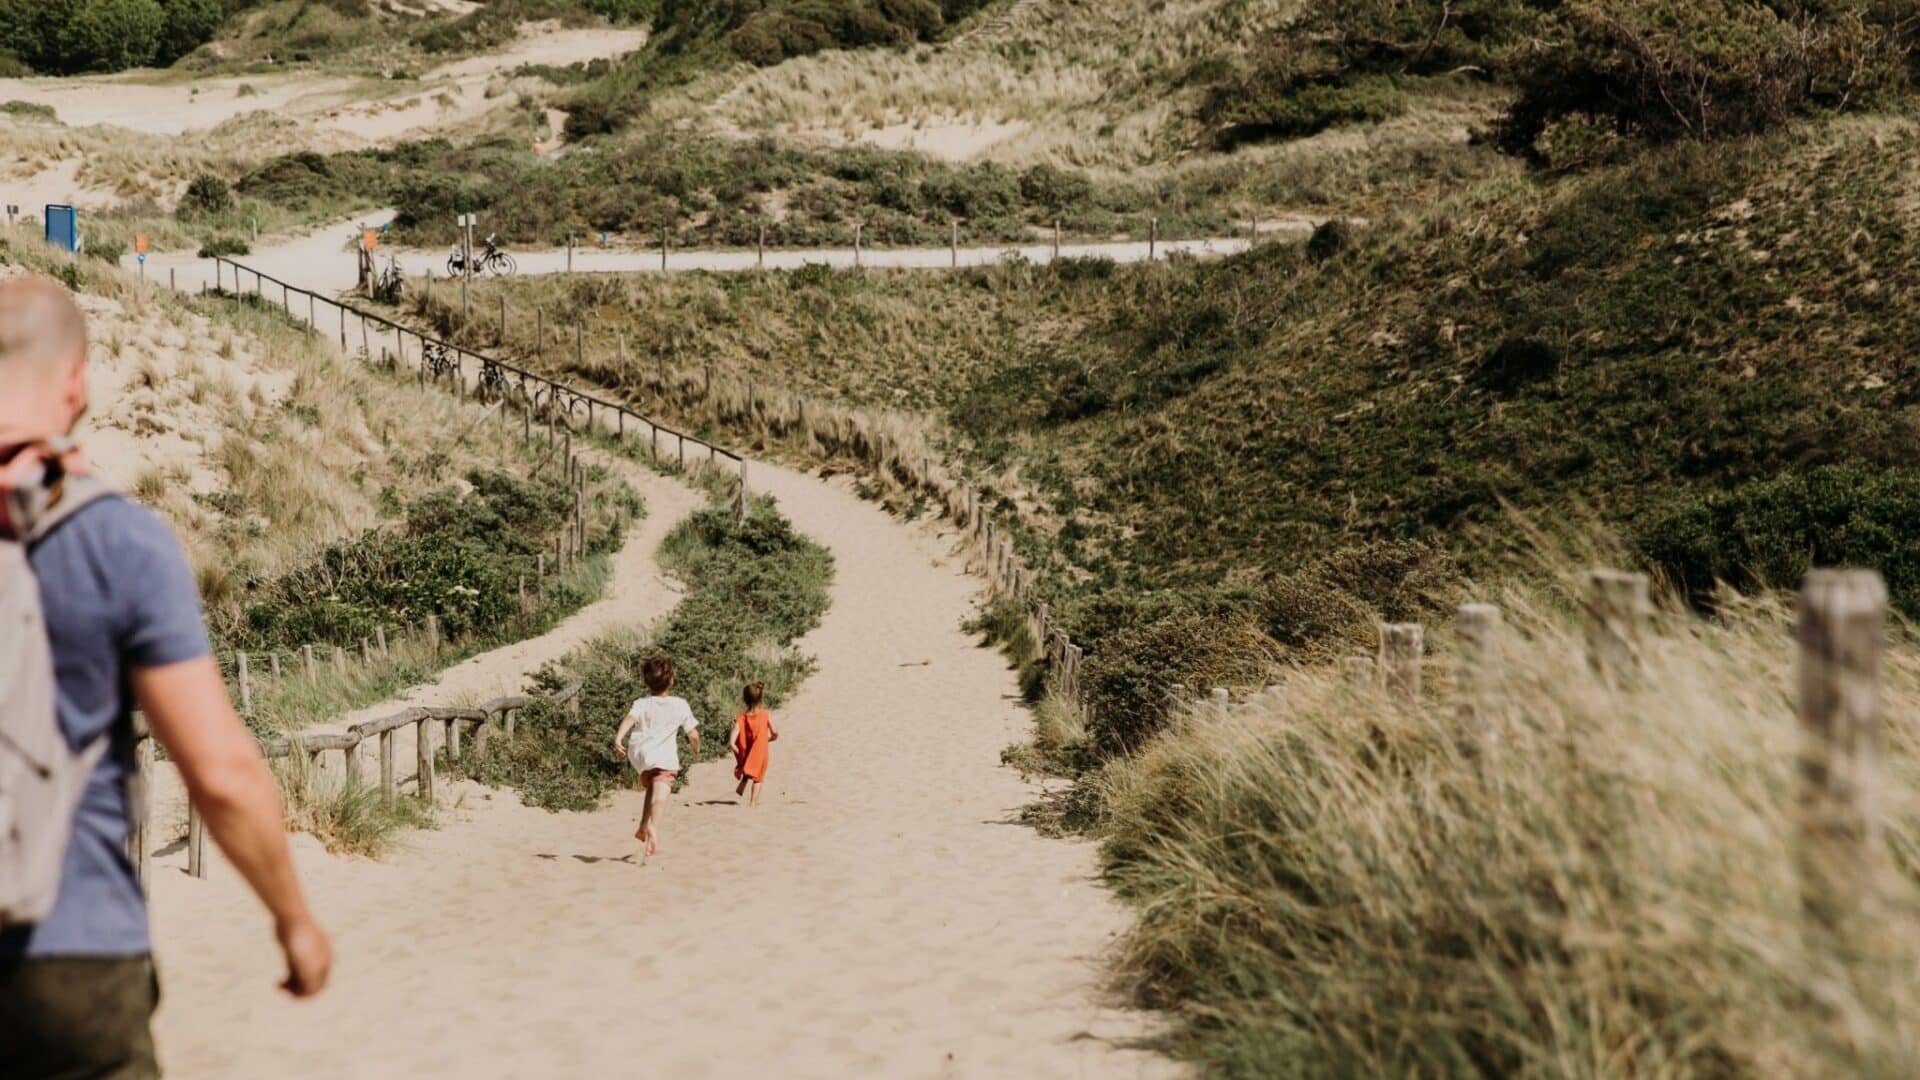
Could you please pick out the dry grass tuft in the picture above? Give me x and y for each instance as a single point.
(1582, 880)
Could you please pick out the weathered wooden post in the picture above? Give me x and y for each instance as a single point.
(380, 639)
(453, 739)
(1617, 609)
(856, 244)
(760, 249)
(1841, 632)
(244, 677)
(423, 754)
(433, 632)
(350, 762)
(953, 243)
(139, 789)
(389, 789)
(1401, 648)
(1477, 673)
(366, 652)
(196, 843)
(1153, 236)
(1056, 239)
(339, 660)
(306, 654)
(541, 564)
(273, 663)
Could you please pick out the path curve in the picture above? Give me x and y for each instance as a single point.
(881, 913)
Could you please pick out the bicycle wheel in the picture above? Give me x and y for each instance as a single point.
(500, 263)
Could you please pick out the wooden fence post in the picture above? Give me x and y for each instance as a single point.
(1842, 633)
(423, 753)
(453, 740)
(243, 676)
(380, 639)
(306, 654)
(196, 843)
(433, 632)
(1401, 649)
(1616, 614)
(139, 802)
(350, 764)
(339, 659)
(273, 663)
(1477, 671)
(366, 651)
(389, 790)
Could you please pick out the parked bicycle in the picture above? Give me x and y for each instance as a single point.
(490, 260)
(493, 381)
(391, 284)
(437, 359)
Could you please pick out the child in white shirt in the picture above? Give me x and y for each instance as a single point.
(656, 722)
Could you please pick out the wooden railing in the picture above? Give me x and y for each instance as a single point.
(482, 718)
(536, 393)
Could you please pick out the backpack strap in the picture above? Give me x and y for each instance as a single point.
(71, 495)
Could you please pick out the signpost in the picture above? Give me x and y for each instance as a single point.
(140, 252)
(11, 211)
(63, 227)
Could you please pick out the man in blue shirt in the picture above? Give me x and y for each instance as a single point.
(122, 612)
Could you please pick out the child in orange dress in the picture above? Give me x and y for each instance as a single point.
(752, 731)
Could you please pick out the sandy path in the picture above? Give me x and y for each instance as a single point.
(321, 259)
(879, 914)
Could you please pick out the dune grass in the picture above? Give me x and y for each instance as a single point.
(1583, 878)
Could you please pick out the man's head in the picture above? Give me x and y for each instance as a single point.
(43, 353)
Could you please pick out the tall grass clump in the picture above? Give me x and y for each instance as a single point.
(347, 816)
(1584, 878)
(753, 588)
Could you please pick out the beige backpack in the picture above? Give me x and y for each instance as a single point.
(41, 778)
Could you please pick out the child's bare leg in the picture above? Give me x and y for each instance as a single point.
(755, 800)
(646, 816)
(656, 806)
(742, 789)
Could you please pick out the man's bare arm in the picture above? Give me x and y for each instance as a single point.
(187, 707)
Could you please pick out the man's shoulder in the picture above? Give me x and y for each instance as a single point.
(117, 525)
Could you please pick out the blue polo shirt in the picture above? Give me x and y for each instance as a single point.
(117, 594)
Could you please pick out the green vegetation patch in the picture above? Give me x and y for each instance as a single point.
(753, 588)
(460, 556)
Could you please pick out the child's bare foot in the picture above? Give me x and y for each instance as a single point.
(640, 834)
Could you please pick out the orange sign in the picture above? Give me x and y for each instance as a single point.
(369, 240)
(140, 244)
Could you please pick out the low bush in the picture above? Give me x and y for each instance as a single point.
(206, 194)
(753, 588)
(459, 557)
(224, 245)
(1770, 531)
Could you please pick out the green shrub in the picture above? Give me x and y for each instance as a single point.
(460, 558)
(109, 35)
(754, 587)
(1771, 531)
(224, 245)
(1131, 677)
(1708, 68)
(30, 110)
(206, 195)
(107, 251)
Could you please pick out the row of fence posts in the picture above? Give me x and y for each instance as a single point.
(485, 719)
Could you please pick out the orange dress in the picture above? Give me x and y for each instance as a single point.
(751, 732)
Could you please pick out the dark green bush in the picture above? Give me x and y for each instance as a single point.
(460, 558)
(206, 194)
(65, 36)
(1131, 676)
(753, 588)
(224, 245)
(1771, 531)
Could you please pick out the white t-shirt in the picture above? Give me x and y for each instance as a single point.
(654, 742)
